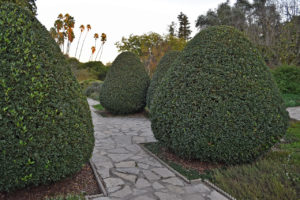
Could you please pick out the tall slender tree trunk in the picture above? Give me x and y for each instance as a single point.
(68, 47)
(78, 44)
(98, 52)
(101, 52)
(83, 44)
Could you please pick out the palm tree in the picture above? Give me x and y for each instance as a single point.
(103, 40)
(81, 30)
(69, 23)
(58, 24)
(93, 51)
(88, 29)
(96, 36)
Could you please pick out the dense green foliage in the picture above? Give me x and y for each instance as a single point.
(273, 26)
(184, 30)
(46, 131)
(86, 71)
(159, 73)
(274, 177)
(125, 87)
(151, 47)
(97, 68)
(91, 88)
(27, 4)
(289, 41)
(291, 100)
(73, 63)
(288, 79)
(218, 101)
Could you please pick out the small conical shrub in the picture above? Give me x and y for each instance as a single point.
(46, 131)
(161, 69)
(125, 86)
(218, 101)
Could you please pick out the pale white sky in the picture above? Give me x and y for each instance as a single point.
(119, 18)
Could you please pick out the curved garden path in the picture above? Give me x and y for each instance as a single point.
(128, 172)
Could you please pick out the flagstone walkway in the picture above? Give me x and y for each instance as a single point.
(294, 113)
(128, 172)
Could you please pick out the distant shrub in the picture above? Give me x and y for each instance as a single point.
(86, 83)
(96, 67)
(46, 132)
(125, 86)
(93, 91)
(161, 69)
(73, 63)
(89, 70)
(91, 88)
(95, 87)
(287, 78)
(218, 101)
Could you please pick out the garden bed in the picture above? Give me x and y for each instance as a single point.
(104, 113)
(190, 169)
(275, 176)
(82, 183)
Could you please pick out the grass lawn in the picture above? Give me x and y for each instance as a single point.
(99, 107)
(291, 100)
(276, 176)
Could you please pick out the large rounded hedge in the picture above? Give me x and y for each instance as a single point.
(161, 69)
(125, 86)
(46, 131)
(218, 101)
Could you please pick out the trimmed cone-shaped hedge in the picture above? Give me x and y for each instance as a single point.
(125, 86)
(218, 101)
(46, 131)
(161, 69)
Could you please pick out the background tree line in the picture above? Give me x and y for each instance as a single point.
(273, 25)
(151, 47)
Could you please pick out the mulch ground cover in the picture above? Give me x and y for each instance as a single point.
(84, 182)
(105, 113)
(191, 169)
(201, 167)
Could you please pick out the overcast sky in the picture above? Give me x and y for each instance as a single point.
(118, 18)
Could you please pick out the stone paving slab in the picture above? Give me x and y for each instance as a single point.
(128, 172)
(294, 113)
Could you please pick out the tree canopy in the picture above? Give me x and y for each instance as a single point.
(184, 30)
(151, 47)
(265, 22)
